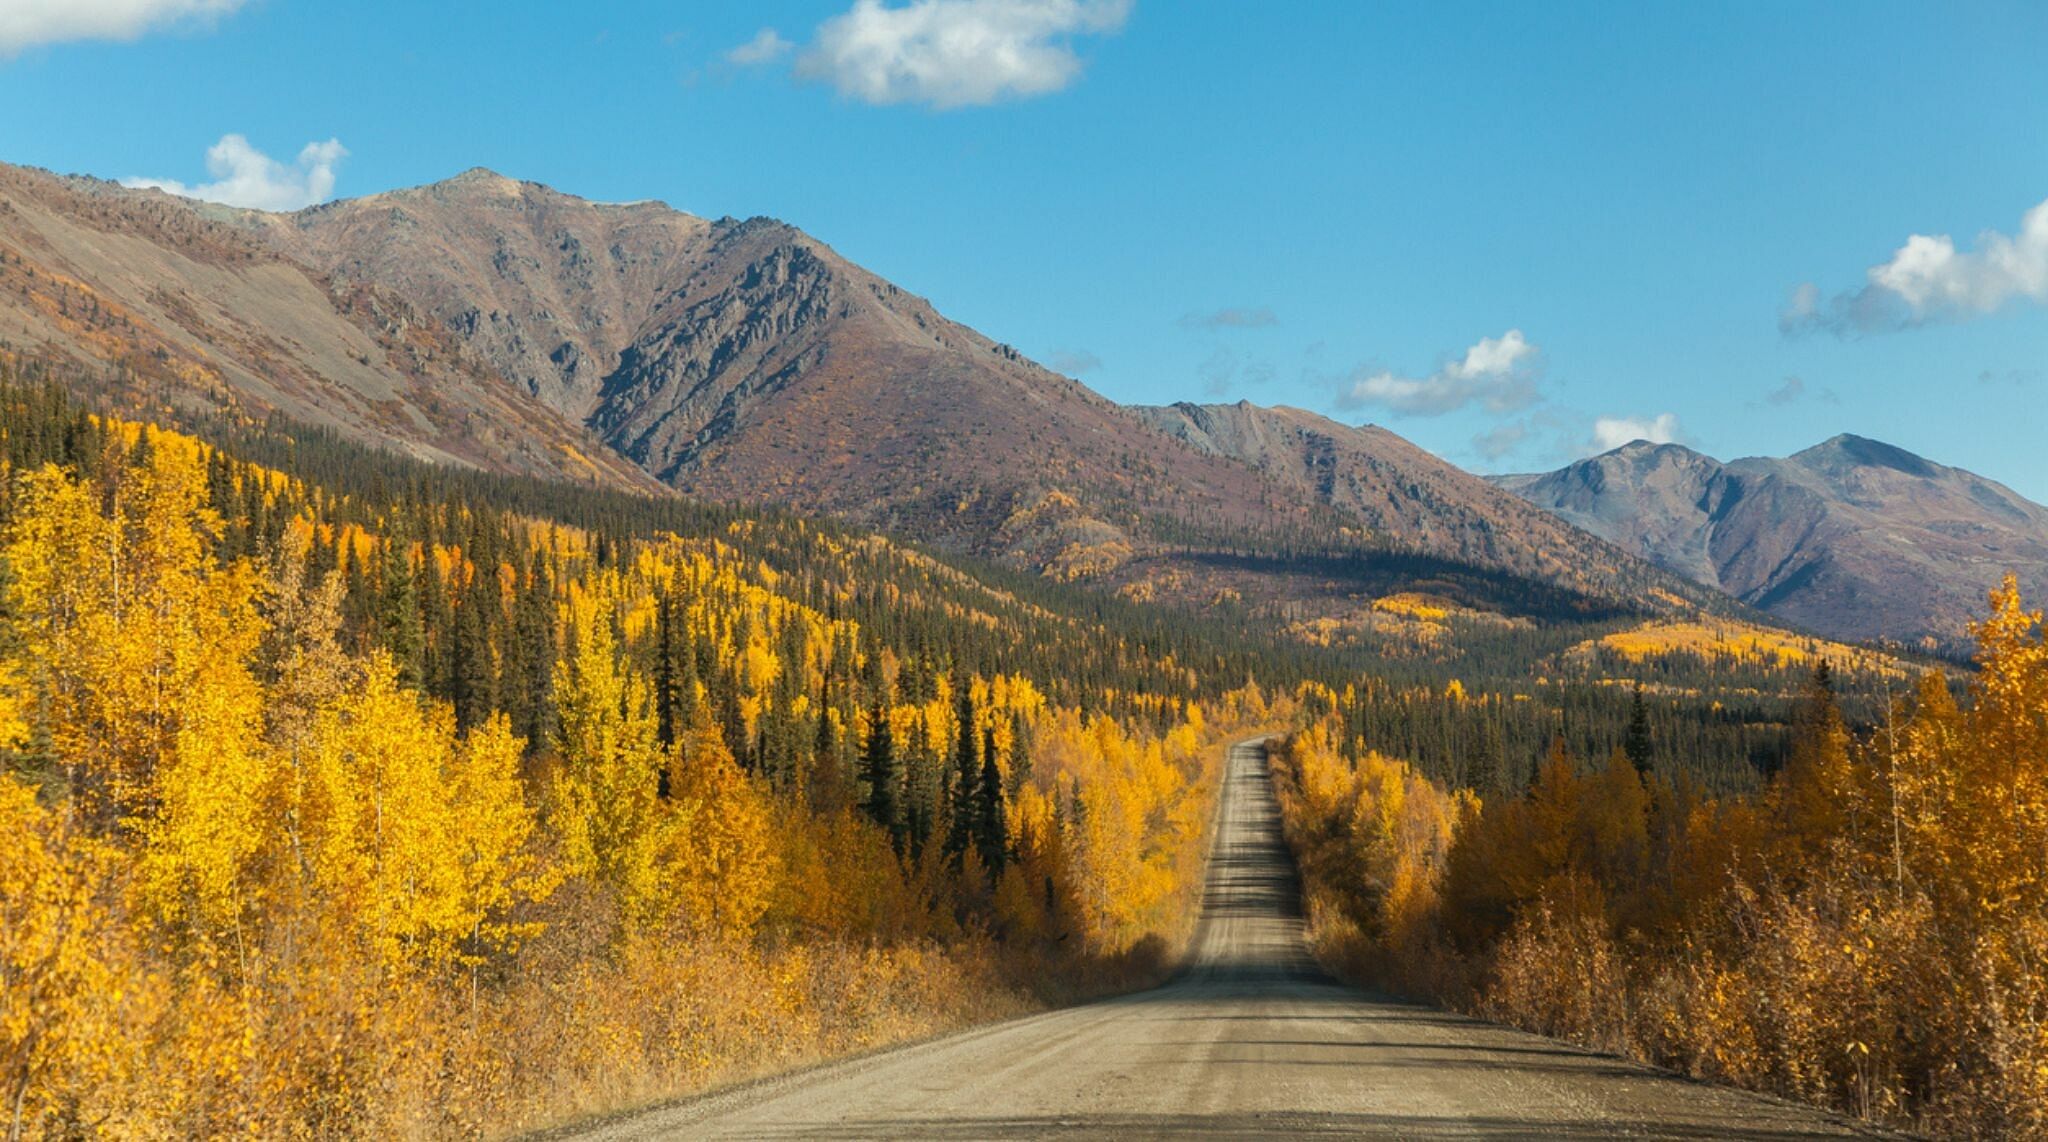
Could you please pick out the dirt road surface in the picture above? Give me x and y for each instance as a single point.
(1252, 1039)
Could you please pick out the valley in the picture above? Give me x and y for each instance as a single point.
(481, 661)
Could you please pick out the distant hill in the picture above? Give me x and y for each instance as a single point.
(1409, 496)
(1853, 537)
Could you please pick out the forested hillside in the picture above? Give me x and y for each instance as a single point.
(396, 812)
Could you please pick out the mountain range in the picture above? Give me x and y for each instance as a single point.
(1852, 537)
(498, 323)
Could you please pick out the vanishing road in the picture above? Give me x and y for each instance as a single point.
(1251, 1039)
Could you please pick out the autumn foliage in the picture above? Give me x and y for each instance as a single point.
(1868, 930)
(258, 881)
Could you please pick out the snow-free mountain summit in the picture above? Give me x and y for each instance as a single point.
(1853, 537)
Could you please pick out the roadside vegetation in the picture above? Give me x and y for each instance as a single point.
(1866, 929)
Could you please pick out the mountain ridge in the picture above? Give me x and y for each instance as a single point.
(1399, 489)
(746, 361)
(1853, 537)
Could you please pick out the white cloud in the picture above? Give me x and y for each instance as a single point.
(27, 23)
(1495, 373)
(1611, 432)
(956, 53)
(1929, 280)
(767, 46)
(245, 176)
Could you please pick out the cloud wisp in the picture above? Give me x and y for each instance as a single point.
(1231, 317)
(1794, 391)
(1072, 362)
(245, 176)
(1787, 393)
(1501, 440)
(1928, 280)
(1496, 373)
(1611, 432)
(947, 54)
(30, 23)
(767, 46)
(1217, 371)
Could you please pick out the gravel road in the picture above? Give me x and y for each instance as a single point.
(1252, 1039)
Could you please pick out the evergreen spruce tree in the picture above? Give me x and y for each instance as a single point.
(437, 620)
(732, 720)
(1020, 755)
(474, 681)
(964, 804)
(884, 778)
(533, 637)
(1637, 745)
(992, 826)
(398, 612)
(667, 671)
(826, 783)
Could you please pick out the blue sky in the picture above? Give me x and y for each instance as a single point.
(1508, 232)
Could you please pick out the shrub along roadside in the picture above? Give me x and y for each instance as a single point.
(1868, 932)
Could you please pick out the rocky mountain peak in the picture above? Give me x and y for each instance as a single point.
(1850, 450)
(483, 177)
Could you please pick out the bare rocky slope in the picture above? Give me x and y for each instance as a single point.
(183, 302)
(1853, 538)
(490, 321)
(746, 360)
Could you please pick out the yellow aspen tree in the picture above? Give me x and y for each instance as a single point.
(603, 799)
(418, 841)
(67, 969)
(60, 549)
(212, 814)
(1814, 799)
(491, 828)
(2000, 818)
(721, 862)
